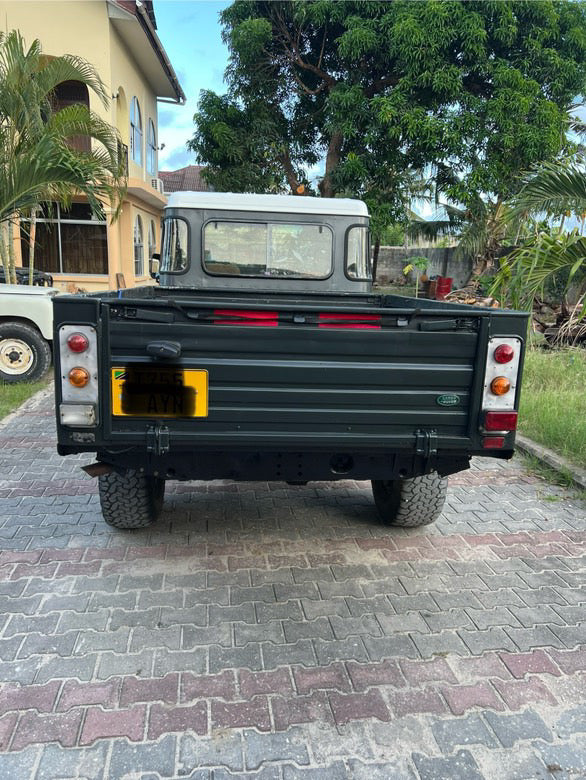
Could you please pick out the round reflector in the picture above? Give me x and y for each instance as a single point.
(77, 342)
(504, 353)
(79, 377)
(500, 385)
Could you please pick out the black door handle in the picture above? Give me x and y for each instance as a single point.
(164, 349)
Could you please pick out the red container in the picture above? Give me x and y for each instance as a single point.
(443, 287)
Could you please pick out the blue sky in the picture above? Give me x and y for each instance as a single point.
(190, 32)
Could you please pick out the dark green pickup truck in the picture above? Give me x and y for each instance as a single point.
(264, 355)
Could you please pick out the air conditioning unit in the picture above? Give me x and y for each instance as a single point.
(157, 184)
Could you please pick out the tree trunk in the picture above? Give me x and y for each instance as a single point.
(375, 258)
(326, 187)
(31, 252)
(4, 252)
(11, 255)
(290, 174)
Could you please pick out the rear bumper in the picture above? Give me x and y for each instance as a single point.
(289, 466)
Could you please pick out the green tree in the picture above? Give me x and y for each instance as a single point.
(38, 158)
(478, 89)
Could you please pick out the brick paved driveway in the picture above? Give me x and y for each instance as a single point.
(280, 633)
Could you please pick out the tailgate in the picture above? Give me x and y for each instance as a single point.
(311, 376)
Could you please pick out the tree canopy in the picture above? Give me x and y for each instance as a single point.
(367, 92)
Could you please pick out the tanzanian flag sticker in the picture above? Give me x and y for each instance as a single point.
(120, 374)
(448, 399)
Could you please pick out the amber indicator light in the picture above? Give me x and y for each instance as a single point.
(79, 377)
(500, 386)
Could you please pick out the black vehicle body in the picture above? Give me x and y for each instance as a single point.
(306, 381)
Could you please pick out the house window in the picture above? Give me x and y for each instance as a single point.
(67, 241)
(152, 240)
(138, 248)
(135, 132)
(152, 149)
(70, 93)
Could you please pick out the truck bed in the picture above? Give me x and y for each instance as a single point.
(309, 373)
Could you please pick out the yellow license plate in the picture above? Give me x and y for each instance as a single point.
(154, 391)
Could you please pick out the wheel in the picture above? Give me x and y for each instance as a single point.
(24, 353)
(410, 502)
(131, 500)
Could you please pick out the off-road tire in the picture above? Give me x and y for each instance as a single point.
(131, 500)
(31, 353)
(410, 502)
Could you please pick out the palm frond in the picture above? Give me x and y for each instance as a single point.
(555, 188)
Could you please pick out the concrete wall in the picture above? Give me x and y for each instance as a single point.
(442, 262)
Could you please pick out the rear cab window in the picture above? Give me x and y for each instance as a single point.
(267, 249)
(174, 253)
(358, 261)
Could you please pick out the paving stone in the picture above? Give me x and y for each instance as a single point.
(56, 762)
(570, 759)
(221, 658)
(242, 613)
(56, 667)
(535, 662)
(493, 638)
(336, 771)
(518, 693)
(19, 764)
(324, 608)
(470, 730)
(461, 766)
(451, 618)
(224, 749)
(572, 721)
(540, 636)
(319, 628)
(380, 771)
(421, 602)
(267, 632)
(416, 701)
(33, 729)
(128, 759)
(396, 646)
(190, 660)
(194, 637)
(463, 697)
(112, 664)
(302, 652)
(441, 644)
(281, 746)
(352, 648)
(293, 710)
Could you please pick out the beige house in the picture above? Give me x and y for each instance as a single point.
(119, 38)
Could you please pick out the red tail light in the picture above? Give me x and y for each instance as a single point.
(77, 342)
(504, 354)
(500, 421)
(245, 317)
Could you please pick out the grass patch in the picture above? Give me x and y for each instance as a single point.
(553, 401)
(13, 394)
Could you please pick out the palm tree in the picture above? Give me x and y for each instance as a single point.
(556, 189)
(38, 159)
(482, 229)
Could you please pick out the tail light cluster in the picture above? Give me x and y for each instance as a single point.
(500, 390)
(78, 352)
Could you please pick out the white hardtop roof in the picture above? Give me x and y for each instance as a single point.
(25, 289)
(289, 204)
